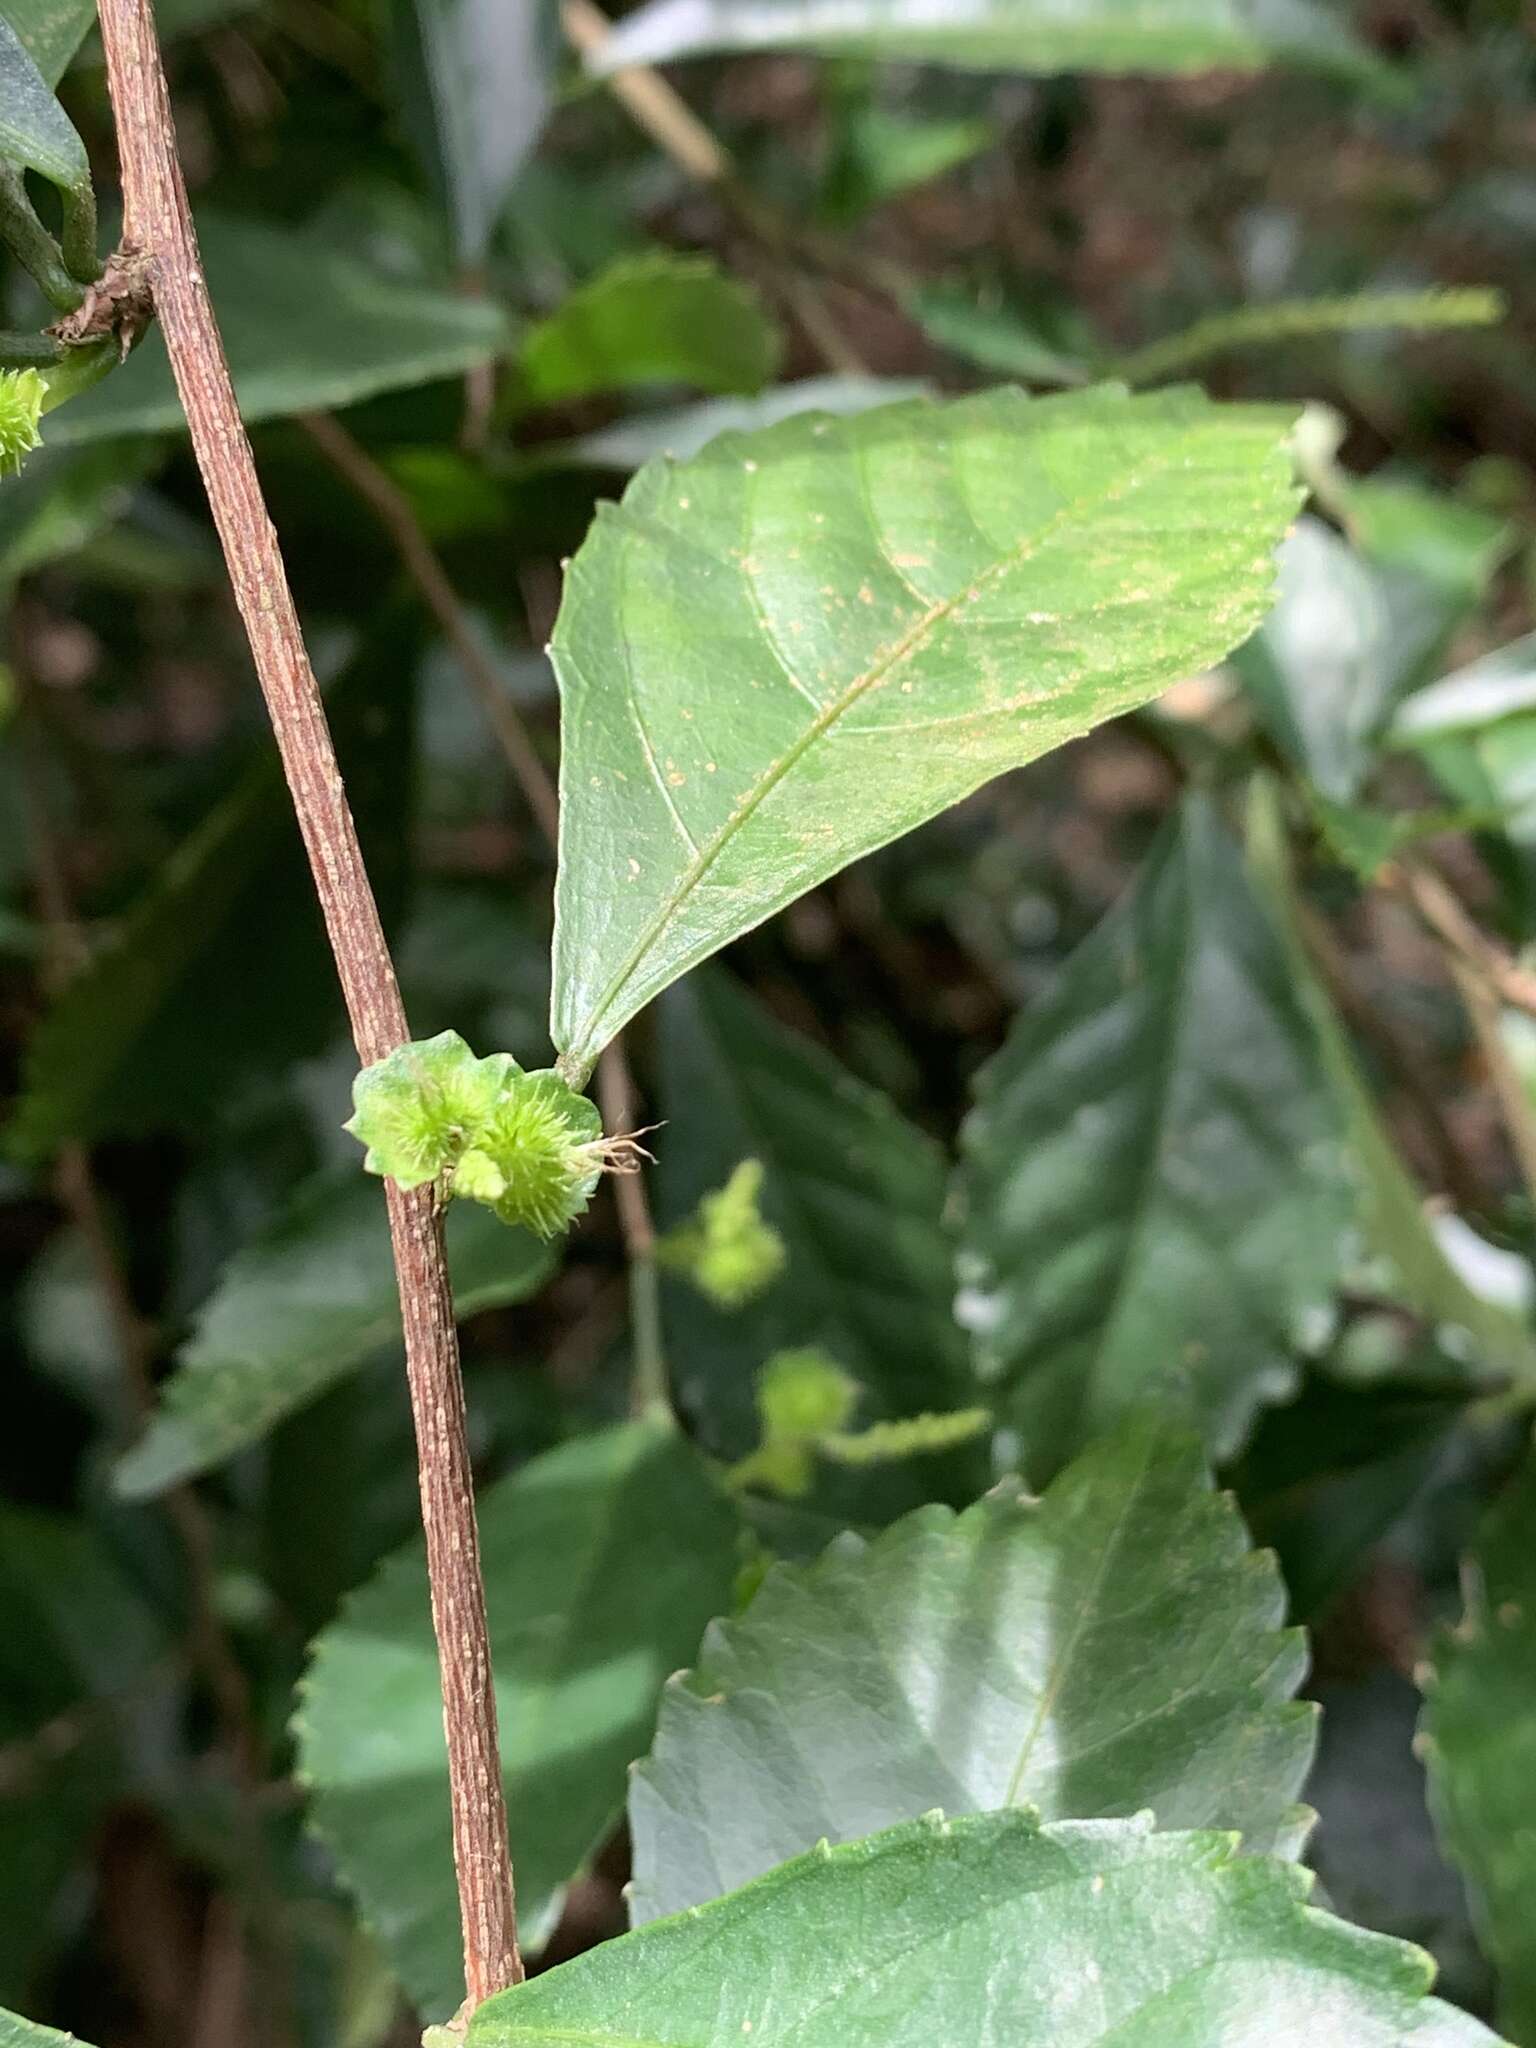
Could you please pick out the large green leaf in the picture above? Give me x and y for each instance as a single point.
(784, 653)
(653, 319)
(475, 82)
(995, 1930)
(1002, 35)
(307, 327)
(1346, 640)
(306, 1303)
(1154, 1199)
(1487, 1339)
(1479, 1743)
(855, 1192)
(35, 132)
(1111, 1648)
(603, 1560)
(167, 1017)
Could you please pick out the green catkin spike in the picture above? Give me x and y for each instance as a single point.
(913, 1436)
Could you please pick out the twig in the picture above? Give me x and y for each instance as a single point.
(616, 1094)
(1449, 919)
(665, 116)
(157, 224)
(1457, 1176)
(421, 563)
(1483, 974)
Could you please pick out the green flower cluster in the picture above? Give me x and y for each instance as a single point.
(726, 1248)
(22, 393)
(526, 1145)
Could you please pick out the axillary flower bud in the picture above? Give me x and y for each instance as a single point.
(524, 1144)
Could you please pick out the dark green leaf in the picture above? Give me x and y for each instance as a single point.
(653, 319)
(853, 1190)
(1480, 1742)
(878, 153)
(786, 652)
(64, 498)
(475, 80)
(603, 1560)
(1175, 36)
(307, 327)
(1111, 1648)
(994, 1929)
(35, 132)
(306, 1303)
(1153, 1188)
(52, 30)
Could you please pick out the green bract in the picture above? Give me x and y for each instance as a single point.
(22, 393)
(524, 1144)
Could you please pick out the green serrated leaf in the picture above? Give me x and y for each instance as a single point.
(308, 328)
(1479, 1742)
(994, 1929)
(786, 652)
(853, 1190)
(653, 319)
(1113, 1647)
(602, 1562)
(1034, 36)
(1153, 1185)
(303, 1305)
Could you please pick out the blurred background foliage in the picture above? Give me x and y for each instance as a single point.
(428, 218)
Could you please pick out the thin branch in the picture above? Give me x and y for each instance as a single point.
(422, 564)
(665, 116)
(615, 1090)
(1449, 919)
(157, 224)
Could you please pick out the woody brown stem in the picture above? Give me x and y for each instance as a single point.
(157, 224)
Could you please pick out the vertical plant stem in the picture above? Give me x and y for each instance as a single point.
(157, 224)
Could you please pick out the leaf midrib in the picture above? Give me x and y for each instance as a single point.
(581, 1054)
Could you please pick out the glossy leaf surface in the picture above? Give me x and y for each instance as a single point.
(995, 1929)
(1110, 1648)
